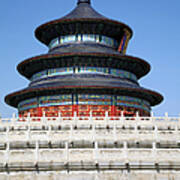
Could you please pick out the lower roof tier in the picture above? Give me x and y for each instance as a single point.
(37, 64)
(14, 99)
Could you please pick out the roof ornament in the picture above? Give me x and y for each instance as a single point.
(84, 1)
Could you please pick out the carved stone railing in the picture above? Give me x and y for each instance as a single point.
(95, 158)
(93, 143)
(75, 120)
(107, 128)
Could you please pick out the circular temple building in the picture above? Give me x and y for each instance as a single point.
(86, 70)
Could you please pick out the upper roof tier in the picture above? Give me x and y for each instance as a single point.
(82, 20)
(83, 10)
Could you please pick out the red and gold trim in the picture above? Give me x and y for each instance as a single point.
(82, 111)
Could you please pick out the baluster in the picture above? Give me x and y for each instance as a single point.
(166, 117)
(125, 152)
(154, 152)
(96, 152)
(13, 120)
(114, 131)
(66, 152)
(37, 152)
(7, 152)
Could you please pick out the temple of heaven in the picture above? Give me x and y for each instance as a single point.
(86, 71)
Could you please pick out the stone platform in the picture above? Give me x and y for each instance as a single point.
(90, 148)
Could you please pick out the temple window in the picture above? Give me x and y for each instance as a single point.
(83, 38)
(71, 70)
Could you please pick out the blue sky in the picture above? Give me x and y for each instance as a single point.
(156, 39)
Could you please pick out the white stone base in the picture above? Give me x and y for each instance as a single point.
(92, 176)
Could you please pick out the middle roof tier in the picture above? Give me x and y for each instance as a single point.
(40, 63)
